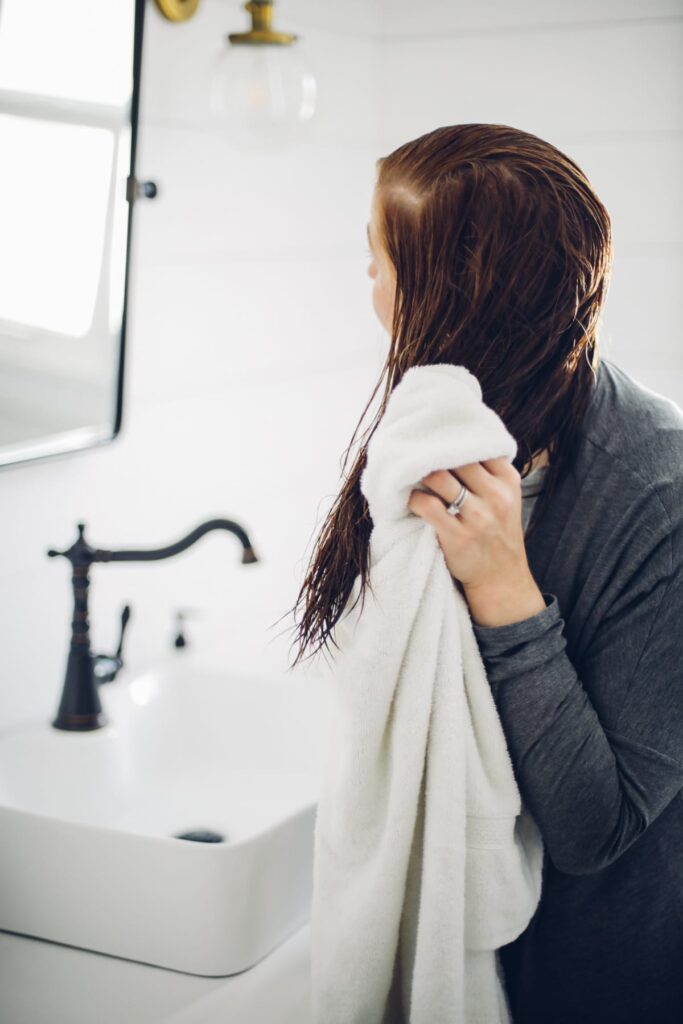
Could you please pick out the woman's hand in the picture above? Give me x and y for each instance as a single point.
(484, 544)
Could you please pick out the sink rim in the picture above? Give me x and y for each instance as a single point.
(255, 839)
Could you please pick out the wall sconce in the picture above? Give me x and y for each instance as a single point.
(263, 91)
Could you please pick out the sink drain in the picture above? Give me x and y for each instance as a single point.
(201, 835)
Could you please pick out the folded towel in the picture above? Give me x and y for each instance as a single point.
(425, 861)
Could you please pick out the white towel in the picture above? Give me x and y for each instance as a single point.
(425, 860)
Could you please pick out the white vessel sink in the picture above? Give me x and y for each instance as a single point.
(89, 854)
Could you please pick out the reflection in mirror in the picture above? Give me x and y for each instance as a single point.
(69, 77)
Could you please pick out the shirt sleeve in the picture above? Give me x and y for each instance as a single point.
(598, 752)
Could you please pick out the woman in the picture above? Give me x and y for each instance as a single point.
(490, 249)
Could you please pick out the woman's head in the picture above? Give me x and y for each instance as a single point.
(496, 240)
(490, 250)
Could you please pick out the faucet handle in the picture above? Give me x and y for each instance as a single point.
(107, 666)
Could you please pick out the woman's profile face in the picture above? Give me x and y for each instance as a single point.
(382, 273)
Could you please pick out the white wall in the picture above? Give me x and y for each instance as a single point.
(252, 344)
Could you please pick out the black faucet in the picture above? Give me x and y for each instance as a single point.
(80, 708)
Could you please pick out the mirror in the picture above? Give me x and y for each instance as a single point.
(69, 94)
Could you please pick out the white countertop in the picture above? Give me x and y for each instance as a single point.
(44, 982)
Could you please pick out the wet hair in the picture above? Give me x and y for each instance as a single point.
(502, 253)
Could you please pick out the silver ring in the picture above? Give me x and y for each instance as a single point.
(454, 508)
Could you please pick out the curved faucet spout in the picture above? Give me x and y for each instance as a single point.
(149, 554)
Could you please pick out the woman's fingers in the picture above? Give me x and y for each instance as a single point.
(484, 479)
(490, 483)
(447, 487)
(502, 467)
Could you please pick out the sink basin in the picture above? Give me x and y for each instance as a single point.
(90, 854)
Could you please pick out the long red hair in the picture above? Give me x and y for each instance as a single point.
(502, 252)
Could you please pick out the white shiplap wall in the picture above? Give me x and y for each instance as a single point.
(252, 343)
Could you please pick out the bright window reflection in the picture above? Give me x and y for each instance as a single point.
(78, 50)
(55, 182)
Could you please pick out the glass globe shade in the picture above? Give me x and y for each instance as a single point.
(262, 95)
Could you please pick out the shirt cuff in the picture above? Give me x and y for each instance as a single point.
(495, 639)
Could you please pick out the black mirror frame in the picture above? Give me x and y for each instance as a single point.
(133, 191)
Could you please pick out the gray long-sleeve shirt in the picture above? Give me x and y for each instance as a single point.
(590, 696)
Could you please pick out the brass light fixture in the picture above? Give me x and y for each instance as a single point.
(261, 30)
(177, 10)
(261, 20)
(261, 96)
